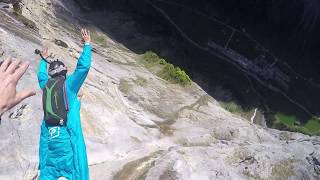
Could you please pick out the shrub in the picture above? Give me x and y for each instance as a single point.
(162, 61)
(174, 74)
(167, 70)
(235, 109)
(151, 57)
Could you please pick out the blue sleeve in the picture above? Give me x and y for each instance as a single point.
(78, 144)
(42, 74)
(43, 146)
(77, 78)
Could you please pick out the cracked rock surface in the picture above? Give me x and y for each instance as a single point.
(136, 125)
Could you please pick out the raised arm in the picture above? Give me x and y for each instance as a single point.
(42, 71)
(42, 74)
(77, 78)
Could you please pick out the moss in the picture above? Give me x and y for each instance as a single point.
(98, 39)
(249, 174)
(138, 169)
(124, 86)
(140, 81)
(169, 174)
(283, 170)
(166, 129)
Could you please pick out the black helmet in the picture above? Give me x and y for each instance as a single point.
(57, 68)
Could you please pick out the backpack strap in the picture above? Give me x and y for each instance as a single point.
(65, 96)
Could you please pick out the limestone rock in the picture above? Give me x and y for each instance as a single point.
(136, 125)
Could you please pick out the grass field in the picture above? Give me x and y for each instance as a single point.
(285, 119)
(291, 123)
(313, 125)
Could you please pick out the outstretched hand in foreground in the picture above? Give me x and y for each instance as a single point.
(10, 74)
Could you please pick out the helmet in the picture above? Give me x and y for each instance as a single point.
(57, 68)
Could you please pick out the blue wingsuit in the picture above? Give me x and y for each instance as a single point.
(62, 150)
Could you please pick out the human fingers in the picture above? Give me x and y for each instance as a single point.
(82, 32)
(12, 67)
(5, 64)
(44, 50)
(20, 71)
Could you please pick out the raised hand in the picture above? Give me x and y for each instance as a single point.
(10, 74)
(44, 52)
(85, 35)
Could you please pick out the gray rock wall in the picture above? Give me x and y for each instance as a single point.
(150, 130)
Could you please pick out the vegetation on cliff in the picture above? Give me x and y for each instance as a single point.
(164, 69)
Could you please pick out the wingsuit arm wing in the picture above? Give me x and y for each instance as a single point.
(77, 78)
(43, 147)
(42, 74)
(74, 82)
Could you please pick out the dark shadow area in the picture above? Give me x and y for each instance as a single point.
(237, 52)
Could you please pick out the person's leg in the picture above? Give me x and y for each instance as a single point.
(60, 156)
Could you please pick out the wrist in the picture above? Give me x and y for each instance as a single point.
(2, 110)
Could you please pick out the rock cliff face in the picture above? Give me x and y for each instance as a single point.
(136, 125)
